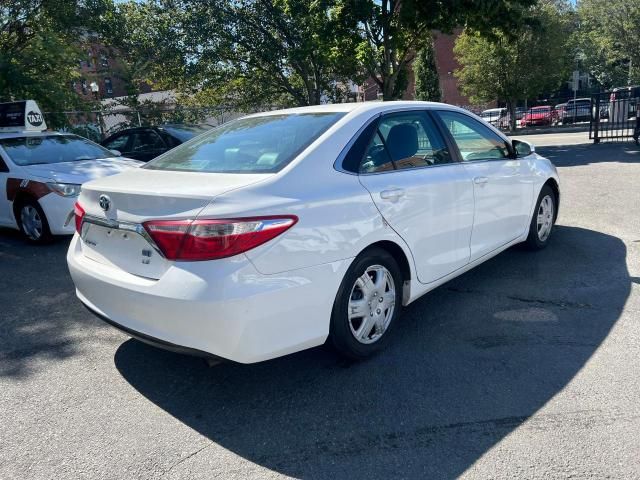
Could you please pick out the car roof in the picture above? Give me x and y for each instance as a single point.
(30, 134)
(359, 107)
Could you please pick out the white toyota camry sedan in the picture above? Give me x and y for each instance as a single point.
(279, 231)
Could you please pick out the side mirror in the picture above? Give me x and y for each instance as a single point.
(116, 153)
(523, 148)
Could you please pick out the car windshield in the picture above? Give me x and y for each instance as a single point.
(48, 149)
(248, 145)
(185, 132)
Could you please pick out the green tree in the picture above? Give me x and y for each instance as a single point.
(516, 67)
(426, 75)
(609, 36)
(245, 52)
(39, 48)
(392, 31)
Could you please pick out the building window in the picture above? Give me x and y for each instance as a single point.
(108, 86)
(104, 61)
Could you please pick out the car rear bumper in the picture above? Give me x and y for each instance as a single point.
(224, 308)
(156, 342)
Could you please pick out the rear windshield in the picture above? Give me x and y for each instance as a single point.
(45, 149)
(248, 145)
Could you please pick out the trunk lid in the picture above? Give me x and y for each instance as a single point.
(113, 236)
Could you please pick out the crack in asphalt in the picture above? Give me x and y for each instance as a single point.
(541, 301)
(425, 436)
(184, 459)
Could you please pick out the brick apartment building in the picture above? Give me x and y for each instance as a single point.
(100, 66)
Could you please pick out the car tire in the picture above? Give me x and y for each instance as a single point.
(33, 222)
(543, 219)
(364, 312)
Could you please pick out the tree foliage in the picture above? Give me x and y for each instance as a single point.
(392, 31)
(517, 67)
(297, 52)
(247, 51)
(426, 75)
(609, 37)
(39, 48)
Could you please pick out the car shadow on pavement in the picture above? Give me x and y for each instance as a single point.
(469, 362)
(587, 153)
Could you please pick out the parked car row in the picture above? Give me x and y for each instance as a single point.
(574, 110)
(41, 171)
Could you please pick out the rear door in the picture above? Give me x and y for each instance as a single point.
(502, 184)
(424, 195)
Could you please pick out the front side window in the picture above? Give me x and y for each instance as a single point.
(144, 140)
(402, 141)
(47, 149)
(262, 144)
(475, 141)
(118, 143)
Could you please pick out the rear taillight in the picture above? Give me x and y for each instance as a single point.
(78, 212)
(193, 240)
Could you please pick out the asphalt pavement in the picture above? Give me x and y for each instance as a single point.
(526, 367)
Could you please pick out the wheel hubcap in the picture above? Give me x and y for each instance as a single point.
(371, 304)
(31, 222)
(545, 218)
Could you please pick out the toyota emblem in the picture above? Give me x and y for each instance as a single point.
(105, 202)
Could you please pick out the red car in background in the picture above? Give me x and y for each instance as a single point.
(539, 116)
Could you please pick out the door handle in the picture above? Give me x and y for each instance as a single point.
(480, 180)
(392, 194)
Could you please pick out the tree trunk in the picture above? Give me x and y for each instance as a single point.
(512, 115)
(388, 87)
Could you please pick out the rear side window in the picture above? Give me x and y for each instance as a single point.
(248, 145)
(398, 141)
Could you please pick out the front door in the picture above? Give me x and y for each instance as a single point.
(424, 195)
(502, 184)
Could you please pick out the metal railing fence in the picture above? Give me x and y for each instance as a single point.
(614, 115)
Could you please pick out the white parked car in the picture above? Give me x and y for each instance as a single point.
(41, 172)
(276, 231)
(495, 116)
